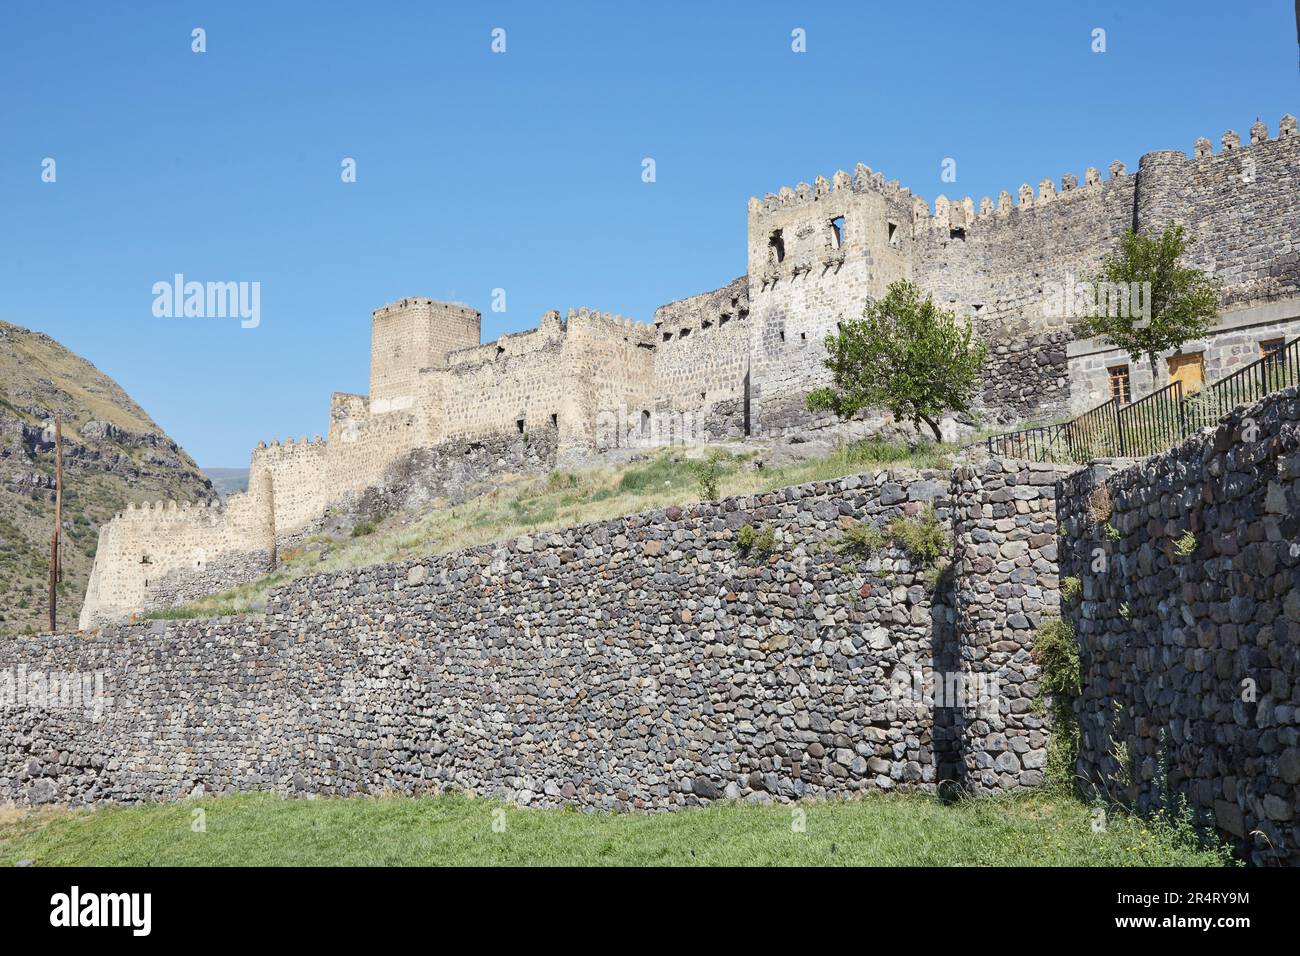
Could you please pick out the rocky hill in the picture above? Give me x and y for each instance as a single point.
(113, 453)
(228, 481)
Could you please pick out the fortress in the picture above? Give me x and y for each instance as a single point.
(736, 362)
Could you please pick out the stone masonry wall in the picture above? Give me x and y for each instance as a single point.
(1006, 583)
(1190, 646)
(643, 662)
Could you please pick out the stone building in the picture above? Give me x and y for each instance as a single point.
(736, 362)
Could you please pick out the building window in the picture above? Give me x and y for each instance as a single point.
(645, 424)
(777, 245)
(1119, 385)
(837, 232)
(519, 424)
(723, 319)
(1272, 349)
(668, 336)
(683, 333)
(555, 420)
(892, 235)
(957, 232)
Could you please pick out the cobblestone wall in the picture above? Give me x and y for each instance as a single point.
(1006, 583)
(1189, 626)
(644, 662)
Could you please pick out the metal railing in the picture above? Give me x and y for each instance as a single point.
(1034, 444)
(1155, 422)
(1152, 423)
(1272, 373)
(1094, 433)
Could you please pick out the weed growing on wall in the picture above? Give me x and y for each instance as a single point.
(922, 538)
(1100, 506)
(862, 540)
(1071, 590)
(750, 539)
(1056, 652)
(1185, 545)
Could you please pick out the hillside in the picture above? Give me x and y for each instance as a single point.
(522, 505)
(113, 453)
(228, 481)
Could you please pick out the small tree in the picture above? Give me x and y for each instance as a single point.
(905, 354)
(1182, 301)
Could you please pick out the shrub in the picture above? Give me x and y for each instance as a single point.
(861, 539)
(363, 528)
(708, 473)
(921, 538)
(1071, 590)
(761, 540)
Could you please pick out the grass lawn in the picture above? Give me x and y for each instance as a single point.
(883, 830)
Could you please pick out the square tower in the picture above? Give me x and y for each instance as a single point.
(412, 334)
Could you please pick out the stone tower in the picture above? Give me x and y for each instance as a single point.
(409, 335)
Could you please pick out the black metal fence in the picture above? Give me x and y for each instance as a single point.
(1154, 423)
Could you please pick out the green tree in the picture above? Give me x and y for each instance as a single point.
(905, 354)
(1182, 301)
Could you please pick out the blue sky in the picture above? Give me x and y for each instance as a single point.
(522, 170)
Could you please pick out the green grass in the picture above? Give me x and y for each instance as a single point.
(190, 613)
(886, 830)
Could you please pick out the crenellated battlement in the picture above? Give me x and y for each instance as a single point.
(289, 444)
(408, 303)
(595, 317)
(960, 213)
(162, 511)
(863, 180)
(738, 360)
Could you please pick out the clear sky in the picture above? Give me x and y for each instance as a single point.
(523, 170)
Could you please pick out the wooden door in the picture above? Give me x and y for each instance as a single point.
(1188, 369)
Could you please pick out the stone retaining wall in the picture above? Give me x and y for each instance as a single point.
(1189, 626)
(643, 662)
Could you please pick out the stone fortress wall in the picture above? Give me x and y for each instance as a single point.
(736, 362)
(992, 262)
